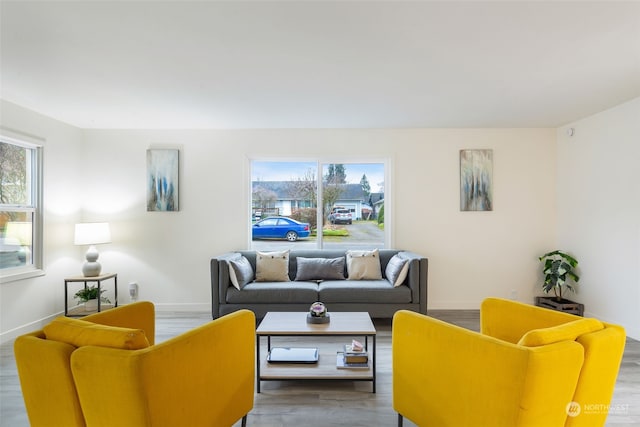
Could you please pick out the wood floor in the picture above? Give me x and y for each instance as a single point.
(329, 403)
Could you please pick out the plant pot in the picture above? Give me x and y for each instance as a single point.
(564, 305)
(91, 305)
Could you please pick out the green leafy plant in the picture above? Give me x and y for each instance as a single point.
(89, 293)
(559, 272)
(381, 215)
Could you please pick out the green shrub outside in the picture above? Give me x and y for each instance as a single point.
(381, 215)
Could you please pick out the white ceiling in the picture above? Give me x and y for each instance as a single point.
(319, 64)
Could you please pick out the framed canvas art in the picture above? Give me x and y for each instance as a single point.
(162, 180)
(476, 180)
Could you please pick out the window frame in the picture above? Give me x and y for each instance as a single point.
(320, 163)
(35, 208)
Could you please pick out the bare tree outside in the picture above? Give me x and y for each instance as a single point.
(14, 185)
(304, 188)
(13, 174)
(263, 198)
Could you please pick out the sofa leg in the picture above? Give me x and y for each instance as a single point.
(400, 420)
(244, 421)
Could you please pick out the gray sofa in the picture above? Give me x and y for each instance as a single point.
(378, 297)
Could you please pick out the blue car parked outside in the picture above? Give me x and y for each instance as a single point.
(280, 227)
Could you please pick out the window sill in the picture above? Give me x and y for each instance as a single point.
(20, 274)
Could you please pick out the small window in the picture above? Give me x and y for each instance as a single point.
(20, 209)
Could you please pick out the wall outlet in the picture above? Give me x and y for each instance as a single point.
(133, 291)
(514, 295)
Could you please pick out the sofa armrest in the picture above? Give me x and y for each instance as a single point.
(417, 278)
(203, 377)
(220, 280)
(439, 368)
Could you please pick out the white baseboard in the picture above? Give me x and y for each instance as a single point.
(453, 305)
(186, 307)
(25, 329)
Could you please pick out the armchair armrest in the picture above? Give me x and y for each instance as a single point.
(439, 368)
(47, 383)
(139, 315)
(509, 320)
(203, 377)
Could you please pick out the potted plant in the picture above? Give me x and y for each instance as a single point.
(559, 274)
(89, 296)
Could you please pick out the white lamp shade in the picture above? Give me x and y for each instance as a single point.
(92, 233)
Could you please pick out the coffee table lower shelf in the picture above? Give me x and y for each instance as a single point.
(324, 369)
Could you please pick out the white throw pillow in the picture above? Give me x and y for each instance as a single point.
(363, 265)
(272, 266)
(397, 270)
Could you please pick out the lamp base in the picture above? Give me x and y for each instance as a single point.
(91, 269)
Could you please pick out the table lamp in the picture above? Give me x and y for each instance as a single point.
(92, 233)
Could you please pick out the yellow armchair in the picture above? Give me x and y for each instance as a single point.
(44, 369)
(204, 377)
(525, 368)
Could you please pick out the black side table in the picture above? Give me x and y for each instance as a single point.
(83, 279)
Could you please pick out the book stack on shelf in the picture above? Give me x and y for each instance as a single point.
(354, 356)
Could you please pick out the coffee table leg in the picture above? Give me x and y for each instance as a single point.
(375, 358)
(258, 363)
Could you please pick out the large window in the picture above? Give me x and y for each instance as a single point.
(340, 204)
(20, 209)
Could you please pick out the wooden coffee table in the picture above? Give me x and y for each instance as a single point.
(348, 324)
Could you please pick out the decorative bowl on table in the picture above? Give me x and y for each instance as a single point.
(318, 313)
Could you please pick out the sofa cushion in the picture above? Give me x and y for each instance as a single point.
(397, 269)
(320, 268)
(274, 293)
(272, 266)
(363, 291)
(240, 272)
(564, 332)
(80, 333)
(363, 265)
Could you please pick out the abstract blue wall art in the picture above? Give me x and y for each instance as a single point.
(476, 180)
(162, 180)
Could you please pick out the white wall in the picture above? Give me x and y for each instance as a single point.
(472, 255)
(599, 211)
(26, 304)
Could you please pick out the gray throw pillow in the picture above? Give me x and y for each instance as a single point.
(397, 270)
(240, 272)
(320, 268)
